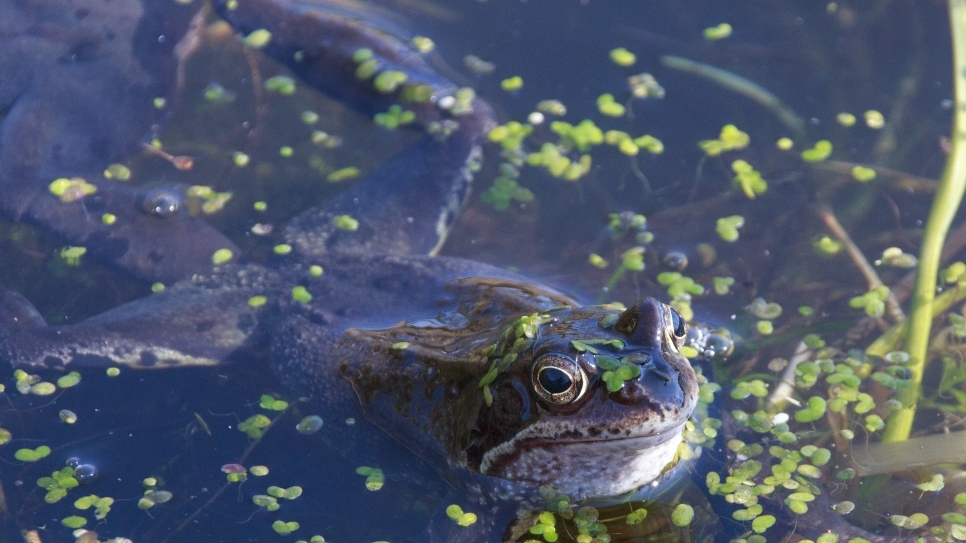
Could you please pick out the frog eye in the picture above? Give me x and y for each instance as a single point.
(558, 380)
(679, 327)
(161, 202)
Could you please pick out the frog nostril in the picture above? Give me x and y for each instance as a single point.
(641, 359)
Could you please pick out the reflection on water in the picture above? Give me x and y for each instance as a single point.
(834, 65)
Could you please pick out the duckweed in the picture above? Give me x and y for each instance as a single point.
(503, 191)
(345, 222)
(72, 255)
(285, 528)
(862, 173)
(423, 44)
(394, 117)
(74, 522)
(617, 371)
(645, 86)
(722, 285)
(118, 172)
(268, 502)
(933, 485)
(682, 515)
(730, 139)
(257, 39)
(240, 159)
(282, 84)
(748, 179)
(872, 302)
(389, 80)
(282, 249)
(269, 402)
(343, 174)
(301, 294)
(623, 57)
(71, 190)
(108, 218)
(112, 372)
(315, 271)
(461, 518)
(511, 84)
(762, 523)
(478, 65)
(636, 516)
(257, 301)
(597, 261)
(43, 388)
(819, 152)
(607, 106)
(727, 227)
(874, 119)
(289, 493)
(785, 144)
(67, 416)
(217, 94)
(253, 426)
(545, 526)
(375, 478)
(221, 256)
(32, 455)
(827, 246)
(102, 506)
(845, 119)
(718, 32)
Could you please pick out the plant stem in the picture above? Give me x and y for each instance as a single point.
(944, 206)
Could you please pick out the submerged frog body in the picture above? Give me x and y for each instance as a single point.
(503, 385)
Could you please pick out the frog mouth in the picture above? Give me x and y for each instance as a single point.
(644, 440)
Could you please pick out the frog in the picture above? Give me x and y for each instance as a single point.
(511, 390)
(495, 380)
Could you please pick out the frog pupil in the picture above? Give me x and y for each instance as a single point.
(678, 323)
(555, 380)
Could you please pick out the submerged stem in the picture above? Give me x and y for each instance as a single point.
(944, 206)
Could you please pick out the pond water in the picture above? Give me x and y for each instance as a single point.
(871, 79)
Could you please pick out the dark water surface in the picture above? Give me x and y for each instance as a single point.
(820, 59)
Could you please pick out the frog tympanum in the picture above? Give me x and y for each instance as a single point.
(503, 385)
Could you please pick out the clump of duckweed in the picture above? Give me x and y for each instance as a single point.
(72, 255)
(269, 402)
(459, 516)
(282, 84)
(289, 493)
(727, 227)
(872, 302)
(819, 152)
(58, 484)
(32, 455)
(235, 473)
(375, 478)
(730, 139)
(102, 506)
(254, 425)
(285, 528)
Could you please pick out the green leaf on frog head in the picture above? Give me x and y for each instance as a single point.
(615, 379)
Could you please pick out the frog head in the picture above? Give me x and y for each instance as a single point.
(590, 401)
